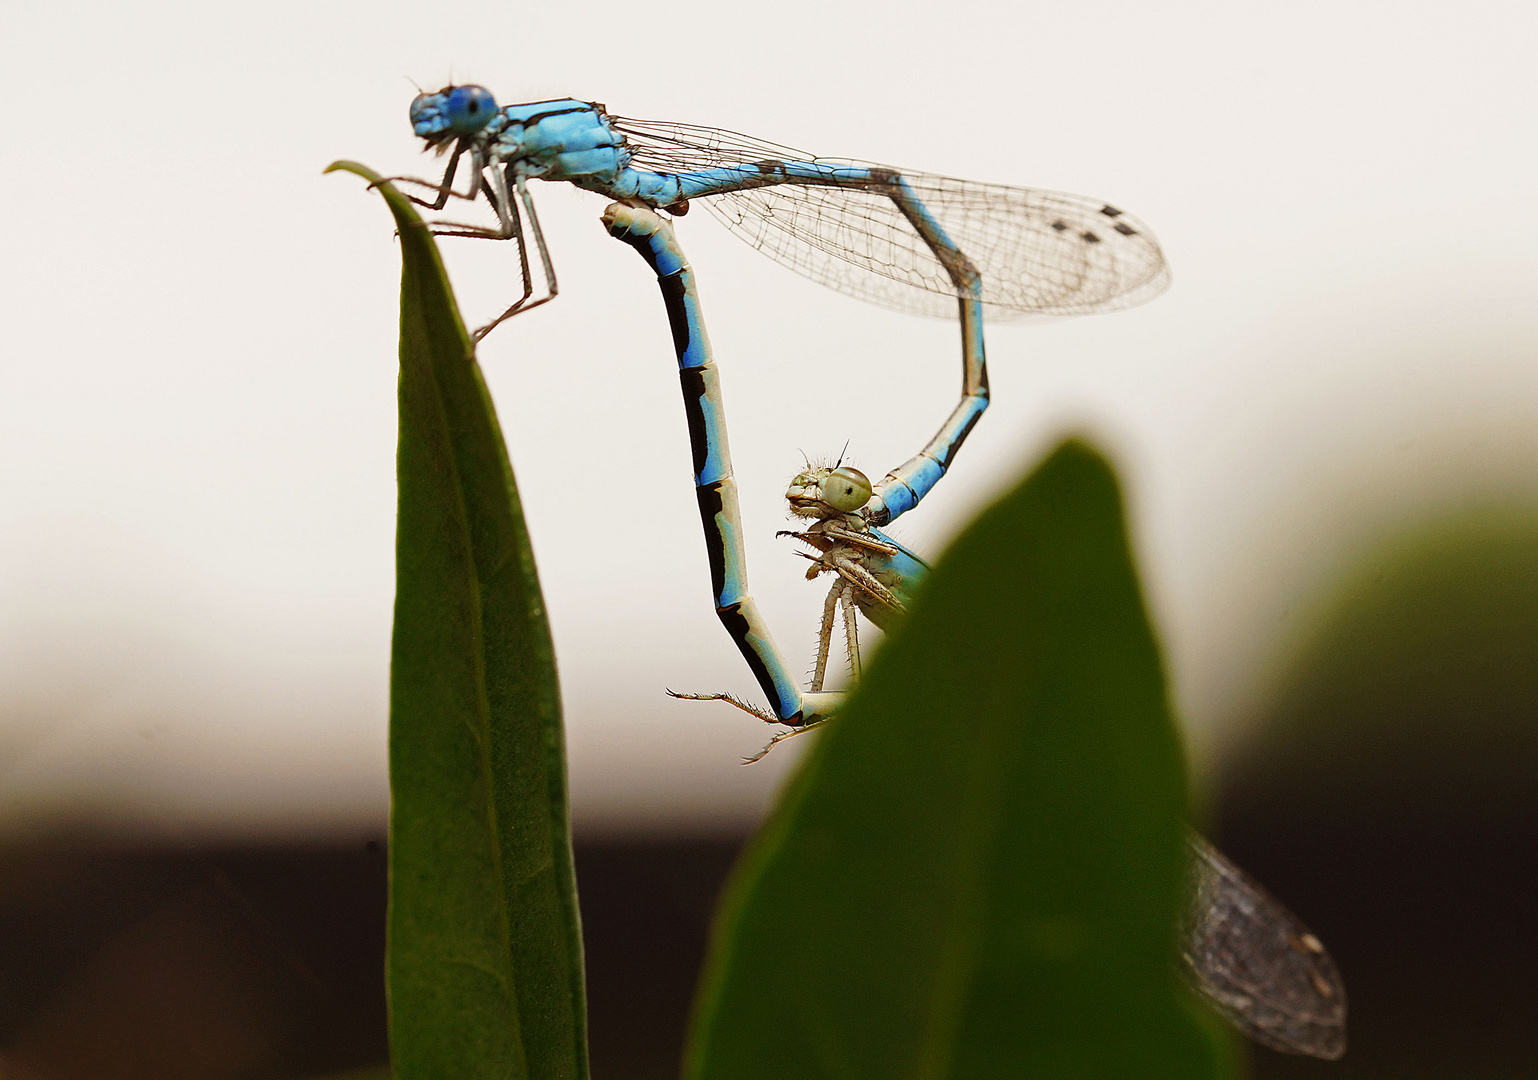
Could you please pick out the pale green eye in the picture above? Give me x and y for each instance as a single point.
(846, 489)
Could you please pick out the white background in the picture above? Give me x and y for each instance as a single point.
(198, 370)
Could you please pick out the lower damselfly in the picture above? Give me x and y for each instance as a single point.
(1239, 948)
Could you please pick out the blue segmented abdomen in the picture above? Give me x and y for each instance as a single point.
(574, 141)
(666, 189)
(715, 488)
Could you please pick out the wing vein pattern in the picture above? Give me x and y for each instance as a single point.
(1039, 252)
(1256, 963)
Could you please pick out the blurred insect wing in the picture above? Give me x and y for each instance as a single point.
(1256, 963)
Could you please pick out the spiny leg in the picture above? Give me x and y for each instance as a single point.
(496, 191)
(731, 699)
(546, 264)
(858, 577)
(512, 225)
(445, 187)
(781, 737)
(823, 534)
(840, 602)
(851, 631)
(496, 194)
(825, 635)
(478, 186)
(523, 247)
(509, 226)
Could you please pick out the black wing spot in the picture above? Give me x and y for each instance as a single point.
(1110, 211)
(1125, 229)
(1060, 225)
(1089, 237)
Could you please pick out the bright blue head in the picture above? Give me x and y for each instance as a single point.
(452, 112)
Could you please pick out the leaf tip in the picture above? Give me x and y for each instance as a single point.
(342, 165)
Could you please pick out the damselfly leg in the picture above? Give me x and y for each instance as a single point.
(498, 186)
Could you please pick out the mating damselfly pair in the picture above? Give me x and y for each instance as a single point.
(917, 242)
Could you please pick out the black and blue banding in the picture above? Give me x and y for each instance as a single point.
(693, 383)
(733, 606)
(949, 453)
(740, 626)
(711, 503)
(694, 375)
(643, 246)
(715, 490)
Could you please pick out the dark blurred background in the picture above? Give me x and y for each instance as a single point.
(1384, 789)
(1390, 795)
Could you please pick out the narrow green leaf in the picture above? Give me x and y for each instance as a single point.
(977, 872)
(485, 950)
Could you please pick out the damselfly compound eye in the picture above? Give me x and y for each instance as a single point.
(846, 489)
(469, 108)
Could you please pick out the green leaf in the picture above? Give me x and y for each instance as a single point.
(977, 872)
(485, 951)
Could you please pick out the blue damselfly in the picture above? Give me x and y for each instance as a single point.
(913, 241)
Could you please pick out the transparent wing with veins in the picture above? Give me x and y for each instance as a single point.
(1256, 963)
(1039, 252)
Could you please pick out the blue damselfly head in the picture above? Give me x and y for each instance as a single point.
(452, 112)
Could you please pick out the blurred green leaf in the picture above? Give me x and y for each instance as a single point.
(1409, 688)
(485, 951)
(977, 871)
